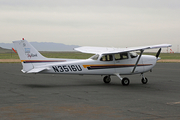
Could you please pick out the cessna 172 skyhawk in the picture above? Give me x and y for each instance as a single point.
(106, 61)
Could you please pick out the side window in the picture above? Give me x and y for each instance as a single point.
(94, 57)
(121, 56)
(117, 56)
(106, 58)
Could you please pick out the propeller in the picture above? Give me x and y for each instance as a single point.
(158, 53)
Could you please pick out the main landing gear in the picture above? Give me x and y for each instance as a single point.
(124, 81)
(107, 79)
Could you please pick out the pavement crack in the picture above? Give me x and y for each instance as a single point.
(12, 91)
(148, 114)
(77, 98)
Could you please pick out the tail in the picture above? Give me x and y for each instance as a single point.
(27, 54)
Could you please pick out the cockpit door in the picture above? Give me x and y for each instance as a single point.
(106, 64)
(122, 63)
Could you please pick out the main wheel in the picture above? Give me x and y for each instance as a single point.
(107, 79)
(144, 80)
(125, 81)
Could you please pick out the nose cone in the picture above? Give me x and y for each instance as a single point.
(158, 58)
(149, 62)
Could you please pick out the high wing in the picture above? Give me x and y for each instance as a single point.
(105, 50)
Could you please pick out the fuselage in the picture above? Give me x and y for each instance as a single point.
(104, 65)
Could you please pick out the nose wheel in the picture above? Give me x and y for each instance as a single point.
(144, 80)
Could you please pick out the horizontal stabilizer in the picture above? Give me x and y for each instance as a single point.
(37, 70)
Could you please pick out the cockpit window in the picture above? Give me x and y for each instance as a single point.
(95, 57)
(107, 58)
(133, 54)
(121, 56)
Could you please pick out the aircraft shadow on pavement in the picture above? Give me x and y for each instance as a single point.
(70, 85)
(111, 85)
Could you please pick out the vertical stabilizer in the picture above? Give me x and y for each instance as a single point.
(27, 52)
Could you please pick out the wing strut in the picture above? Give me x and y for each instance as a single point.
(137, 60)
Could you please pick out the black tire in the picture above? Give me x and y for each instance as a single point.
(107, 79)
(144, 80)
(125, 81)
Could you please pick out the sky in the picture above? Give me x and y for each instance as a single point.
(105, 23)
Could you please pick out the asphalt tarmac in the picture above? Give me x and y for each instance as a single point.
(70, 97)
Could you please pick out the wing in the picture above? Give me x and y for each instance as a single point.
(104, 50)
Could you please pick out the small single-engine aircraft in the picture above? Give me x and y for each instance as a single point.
(106, 61)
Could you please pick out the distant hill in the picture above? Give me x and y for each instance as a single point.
(44, 46)
(3, 50)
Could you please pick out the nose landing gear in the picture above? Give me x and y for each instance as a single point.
(144, 80)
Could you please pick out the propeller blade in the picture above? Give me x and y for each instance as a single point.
(158, 53)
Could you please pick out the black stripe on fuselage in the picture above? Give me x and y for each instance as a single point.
(114, 66)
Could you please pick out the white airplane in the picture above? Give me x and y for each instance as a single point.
(106, 61)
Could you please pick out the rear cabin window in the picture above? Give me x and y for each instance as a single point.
(121, 56)
(107, 58)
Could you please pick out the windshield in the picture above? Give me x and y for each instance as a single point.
(133, 54)
(94, 57)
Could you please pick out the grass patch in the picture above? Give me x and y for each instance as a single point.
(9, 56)
(166, 55)
(79, 55)
(70, 55)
